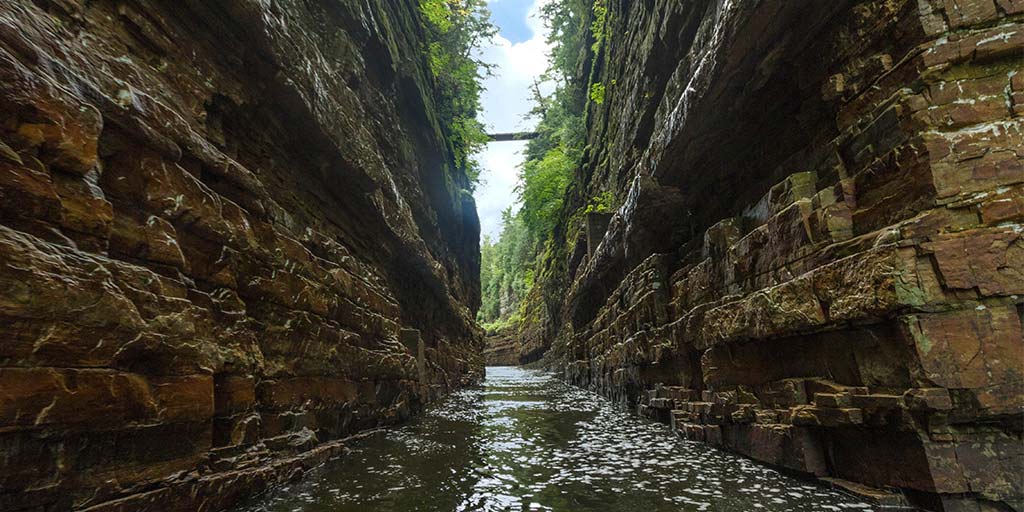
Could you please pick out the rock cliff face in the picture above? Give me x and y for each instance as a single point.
(231, 233)
(501, 349)
(818, 260)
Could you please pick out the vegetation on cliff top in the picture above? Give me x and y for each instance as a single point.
(455, 28)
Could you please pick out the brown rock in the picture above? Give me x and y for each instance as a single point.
(970, 12)
(190, 264)
(932, 399)
(832, 400)
(991, 260)
(977, 349)
(825, 416)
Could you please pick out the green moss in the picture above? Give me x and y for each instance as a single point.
(597, 91)
(601, 203)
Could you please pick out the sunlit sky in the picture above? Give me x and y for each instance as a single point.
(520, 56)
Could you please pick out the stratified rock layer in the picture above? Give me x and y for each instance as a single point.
(819, 257)
(230, 235)
(501, 349)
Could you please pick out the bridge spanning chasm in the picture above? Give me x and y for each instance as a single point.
(512, 136)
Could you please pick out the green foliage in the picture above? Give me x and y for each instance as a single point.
(541, 187)
(454, 29)
(509, 266)
(561, 113)
(597, 93)
(601, 203)
(502, 324)
(566, 19)
(438, 13)
(505, 274)
(597, 26)
(490, 305)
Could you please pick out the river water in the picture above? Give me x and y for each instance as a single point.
(525, 441)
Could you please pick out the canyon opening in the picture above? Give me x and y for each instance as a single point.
(511, 255)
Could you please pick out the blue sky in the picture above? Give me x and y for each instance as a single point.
(510, 17)
(519, 53)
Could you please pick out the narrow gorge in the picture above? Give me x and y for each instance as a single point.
(238, 242)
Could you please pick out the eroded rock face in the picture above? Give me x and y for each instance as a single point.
(819, 258)
(501, 349)
(230, 235)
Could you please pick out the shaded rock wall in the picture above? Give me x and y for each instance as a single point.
(818, 260)
(228, 230)
(501, 349)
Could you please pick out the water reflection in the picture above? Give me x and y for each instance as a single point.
(525, 441)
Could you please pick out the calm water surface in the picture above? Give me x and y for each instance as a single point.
(526, 442)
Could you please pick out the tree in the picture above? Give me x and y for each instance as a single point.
(507, 266)
(455, 28)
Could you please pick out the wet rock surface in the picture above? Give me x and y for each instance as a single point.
(526, 441)
(817, 259)
(231, 234)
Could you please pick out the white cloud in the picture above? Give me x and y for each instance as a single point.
(505, 103)
(500, 162)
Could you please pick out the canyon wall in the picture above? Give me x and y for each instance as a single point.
(231, 234)
(501, 349)
(817, 259)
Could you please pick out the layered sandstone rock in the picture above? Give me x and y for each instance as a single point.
(230, 235)
(501, 348)
(819, 257)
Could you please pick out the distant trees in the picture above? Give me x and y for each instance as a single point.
(506, 272)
